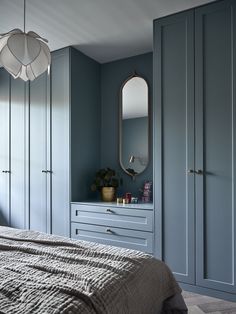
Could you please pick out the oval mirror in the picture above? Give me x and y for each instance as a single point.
(134, 125)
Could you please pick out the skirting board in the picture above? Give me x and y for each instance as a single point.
(209, 292)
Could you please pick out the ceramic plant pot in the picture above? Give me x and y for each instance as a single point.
(108, 194)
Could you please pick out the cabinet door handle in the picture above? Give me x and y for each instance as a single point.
(199, 171)
(44, 171)
(109, 210)
(109, 230)
(5, 171)
(49, 171)
(190, 171)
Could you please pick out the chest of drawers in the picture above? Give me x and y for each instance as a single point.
(129, 226)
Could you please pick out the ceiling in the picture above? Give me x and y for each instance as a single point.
(105, 30)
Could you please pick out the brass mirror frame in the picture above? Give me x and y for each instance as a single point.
(120, 123)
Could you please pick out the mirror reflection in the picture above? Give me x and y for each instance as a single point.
(134, 125)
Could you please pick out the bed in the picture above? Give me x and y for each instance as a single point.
(41, 273)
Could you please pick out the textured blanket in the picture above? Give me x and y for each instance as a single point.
(41, 273)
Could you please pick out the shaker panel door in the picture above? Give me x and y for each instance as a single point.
(4, 147)
(174, 141)
(19, 154)
(59, 142)
(38, 155)
(215, 145)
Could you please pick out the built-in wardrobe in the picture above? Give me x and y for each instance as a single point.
(43, 145)
(52, 142)
(194, 146)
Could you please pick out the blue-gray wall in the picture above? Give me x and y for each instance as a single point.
(113, 75)
(85, 123)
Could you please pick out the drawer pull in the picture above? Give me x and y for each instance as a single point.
(109, 231)
(109, 210)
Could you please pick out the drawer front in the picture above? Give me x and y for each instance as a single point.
(136, 219)
(131, 239)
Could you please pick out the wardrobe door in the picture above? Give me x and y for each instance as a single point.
(215, 145)
(39, 189)
(174, 142)
(19, 154)
(4, 147)
(60, 142)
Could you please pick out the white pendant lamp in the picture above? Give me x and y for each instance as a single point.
(24, 55)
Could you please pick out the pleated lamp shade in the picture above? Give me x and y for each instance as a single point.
(24, 55)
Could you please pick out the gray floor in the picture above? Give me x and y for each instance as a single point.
(199, 304)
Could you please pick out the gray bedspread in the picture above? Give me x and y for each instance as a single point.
(41, 273)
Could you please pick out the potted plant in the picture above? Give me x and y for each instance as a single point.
(106, 182)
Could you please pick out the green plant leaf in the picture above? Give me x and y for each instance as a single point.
(105, 177)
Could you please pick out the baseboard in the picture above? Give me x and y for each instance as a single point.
(209, 292)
